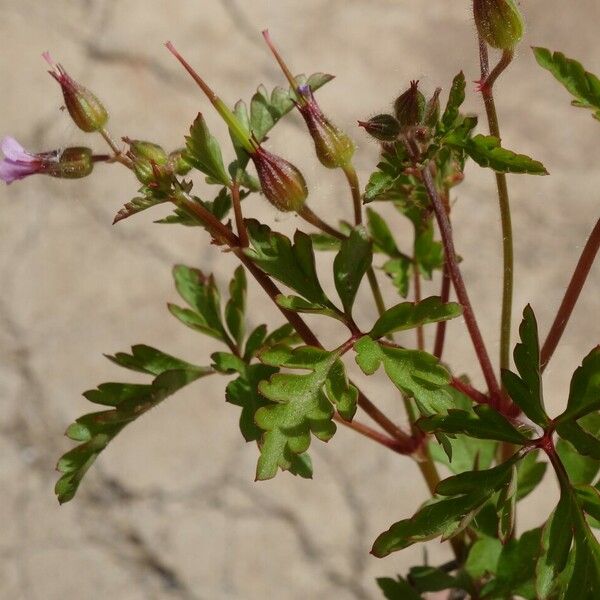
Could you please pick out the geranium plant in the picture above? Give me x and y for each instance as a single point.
(291, 385)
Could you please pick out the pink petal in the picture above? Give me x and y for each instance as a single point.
(14, 151)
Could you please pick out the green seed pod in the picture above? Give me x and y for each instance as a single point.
(384, 128)
(499, 22)
(73, 163)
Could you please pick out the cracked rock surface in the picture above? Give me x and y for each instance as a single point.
(170, 510)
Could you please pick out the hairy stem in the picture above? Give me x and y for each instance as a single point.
(582, 270)
(354, 184)
(440, 333)
(417, 284)
(459, 285)
(310, 217)
(239, 218)
(487, 93)
(118, 153)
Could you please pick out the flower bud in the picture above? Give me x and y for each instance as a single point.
(384, 128)
(432, 110)
(282, 183)
(85, 109)
(177, 162)
(499, 22)
(333, 147)
(409, 108)
(146, 158)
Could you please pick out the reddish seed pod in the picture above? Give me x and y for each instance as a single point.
(282, 183)
(85, 109)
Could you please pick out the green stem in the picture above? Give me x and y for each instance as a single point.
(239, 132)
(310, 217)
(487, 93)
(354, 184)
(118, 153)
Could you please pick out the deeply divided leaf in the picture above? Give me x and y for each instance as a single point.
(526, 390)
(129, 401)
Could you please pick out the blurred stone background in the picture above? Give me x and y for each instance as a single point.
(171, 510)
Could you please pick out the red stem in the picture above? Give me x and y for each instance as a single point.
(582, 270)
(461, 290)
(440, 333)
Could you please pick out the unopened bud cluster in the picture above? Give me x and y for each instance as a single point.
(412, 113)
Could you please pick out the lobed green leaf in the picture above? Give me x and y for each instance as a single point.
(584, 86)
(408, 315)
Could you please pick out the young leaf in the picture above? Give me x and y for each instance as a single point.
(397, 589)
(202, 295)
(254, 342)
(584, 86)
(398, 270)
(585, 443)
(526, 391)
(302, 405)
(298, 304)
(530, 473)
(235, 308)
(429, 253)
(486, 151)
(293, 265)
(473, 482)
(484, 423)
(483, 557)
(515, 574)
(382, 237)
(580, 467)
(96, 430)
(409, 315)
(203, 152)
(557, 536)
(456, 97)
(430, 579)
(506, 507)
(350, 265)
(430, 522)
(416, 374)
(584, 581)
(146, 359)
(267, 109)
(466, 453)
(138, 204)
(584, 393)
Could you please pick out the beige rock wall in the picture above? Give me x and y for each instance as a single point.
(170, 510)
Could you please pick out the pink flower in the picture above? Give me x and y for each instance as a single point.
(67, 163)
(18, 163)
